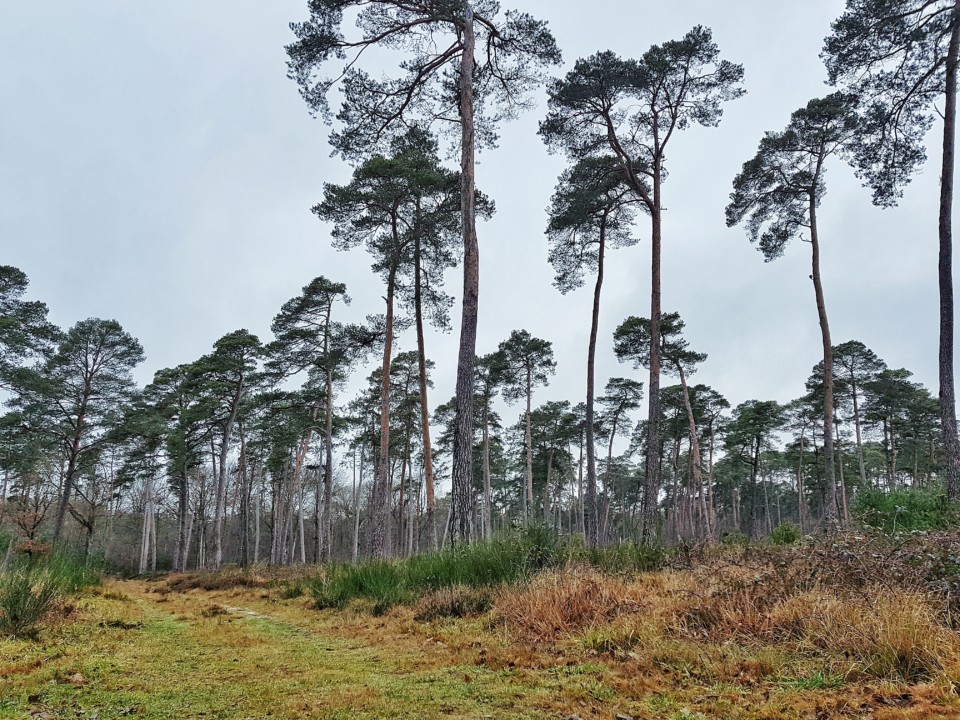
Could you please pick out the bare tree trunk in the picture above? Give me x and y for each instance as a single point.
(462, 480)
(378, 536)
(590, 504)
(358, 482)
(651, 487)
(220, 507)
(695, 454)
(948, 407)
(831, 517)
(487, 494)
(424, 406)
(528, 441)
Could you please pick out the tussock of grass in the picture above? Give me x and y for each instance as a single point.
(565, 603)
(25, 598)
(457, 601)
(225, 579)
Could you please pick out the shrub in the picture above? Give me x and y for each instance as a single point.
(905, 509)
(25, 597)
(786, 533)
(734, 537)
(628, 558)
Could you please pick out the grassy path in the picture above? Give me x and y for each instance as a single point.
(133, 652)
(137, 650)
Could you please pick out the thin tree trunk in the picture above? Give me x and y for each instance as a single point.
(462, 470)
(651, 488)
(424, 405)
(590, 504)
(830, 517)
(378, 537)
(528, 441)
(948, 409)
(695, 453)
(487, 494)
(356, 509)
(856, 425)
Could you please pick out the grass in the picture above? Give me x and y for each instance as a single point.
(738, 632)
(504, 561)
(31, 586)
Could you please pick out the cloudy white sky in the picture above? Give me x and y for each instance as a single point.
(157, 167)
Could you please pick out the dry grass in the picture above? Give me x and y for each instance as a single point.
(725, 619)
(566, 603)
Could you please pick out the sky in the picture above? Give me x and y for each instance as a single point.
(158, 167)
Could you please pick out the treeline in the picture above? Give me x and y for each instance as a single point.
(234, 457)
(226, 460)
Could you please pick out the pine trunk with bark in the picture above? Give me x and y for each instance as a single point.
(948, 408)
(461, 522)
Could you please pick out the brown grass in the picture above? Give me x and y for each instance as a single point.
(728, 620)
(566, 603)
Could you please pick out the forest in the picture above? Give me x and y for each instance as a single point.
(322, 461)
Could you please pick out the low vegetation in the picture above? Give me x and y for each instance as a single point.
(527, 626)
(33, 580)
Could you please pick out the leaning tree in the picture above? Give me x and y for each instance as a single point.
(631, 109)
(441, 81)
(778, 192)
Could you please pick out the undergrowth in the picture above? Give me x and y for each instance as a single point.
(504, 561)
(34, 580)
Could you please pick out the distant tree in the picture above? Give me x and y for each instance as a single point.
(902, 409)
(308, 338)
(854, 365)
(79, 394)
(778, 193)
(620, 396)
(25, 332)
(442, 82)
(901, 58)
(225, 377)
(591, 211)
(173, 398)
(631, 109)
(524, 362)
(487, 388)
(749, 433)
(632, 341)
(555, 427)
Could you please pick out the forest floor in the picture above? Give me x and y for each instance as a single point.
(152, 649)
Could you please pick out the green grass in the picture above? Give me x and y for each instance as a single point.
(505, 560)
(31, 585)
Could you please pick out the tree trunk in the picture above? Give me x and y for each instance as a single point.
(378, 535)
(590, 504)
(695, 454)
(461, 526)
(856, 425)
(651, 486)
(830, 515)
(487, 494)
(326, 542)
(528, 441)
(72, 462)
(220, 507)
(424, 406)
(948, 409)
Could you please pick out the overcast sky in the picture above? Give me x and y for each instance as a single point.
(157, 167)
